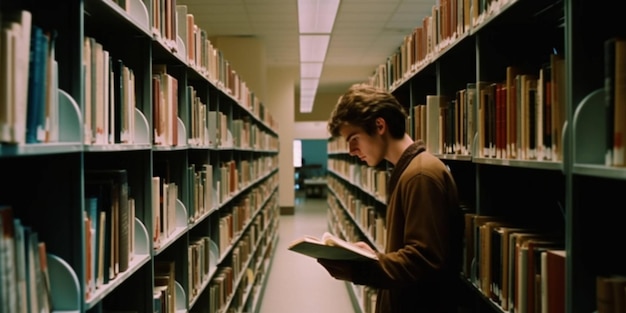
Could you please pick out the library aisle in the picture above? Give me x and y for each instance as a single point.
(297, 283)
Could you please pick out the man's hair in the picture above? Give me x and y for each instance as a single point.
(361, 105)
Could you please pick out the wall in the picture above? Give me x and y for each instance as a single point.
(280, 91)
(311, 130)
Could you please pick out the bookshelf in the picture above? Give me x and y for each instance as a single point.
(356, 201)
(147, 182)
(563, 187)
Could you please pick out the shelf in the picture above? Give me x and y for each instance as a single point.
(267, 264)
(107, 12)
(141, 138)
(494, 306)
(542, 165)
(69, 133)
(373, 196)
(496, 9)
(594, 170)
(457, 157)
(223, 254)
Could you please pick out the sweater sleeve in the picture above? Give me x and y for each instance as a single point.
(420, 214)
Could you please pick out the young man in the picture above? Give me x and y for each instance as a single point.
(419, 269)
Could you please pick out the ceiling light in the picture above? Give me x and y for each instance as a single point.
(311, 69)
(315, 20)
(306, 105)
(308, 93)
(313, 47)
(309, 83)
(317, 16)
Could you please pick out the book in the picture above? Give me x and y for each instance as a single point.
(330, 247)
(117, 192)
(553, 280)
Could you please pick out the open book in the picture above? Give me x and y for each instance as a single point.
(330, 247)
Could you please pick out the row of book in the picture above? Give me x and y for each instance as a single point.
(164, 206)
(611, 293)
(24, 277)
(29, 102)
(110, 96)
(207, 127)
(342, 225)
(164, 290)
(29, 88)
(371, 220)
(204, 251)
(210, 188)
(202, 255)
(520, 268)
(203, 193)
(450, 21)
(372, 180)
(615, 100)
(174, 26)
(109, 218)
(519, 118)
(232, 283)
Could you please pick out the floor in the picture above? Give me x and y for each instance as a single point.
(297, 283)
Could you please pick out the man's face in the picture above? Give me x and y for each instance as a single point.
(370, 149)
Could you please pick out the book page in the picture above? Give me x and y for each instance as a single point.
(330, 247)
(332, 240)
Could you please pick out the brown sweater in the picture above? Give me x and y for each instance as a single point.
(420, 265)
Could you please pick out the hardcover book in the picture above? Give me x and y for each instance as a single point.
(330, 247)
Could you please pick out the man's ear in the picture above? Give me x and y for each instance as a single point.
(381, 125)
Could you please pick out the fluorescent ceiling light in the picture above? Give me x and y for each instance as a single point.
(317, 16)
(311, 69)
(306, 93)
(313, 47)
(306, 106)
(307, 101)
(307, 98)
(309, 83)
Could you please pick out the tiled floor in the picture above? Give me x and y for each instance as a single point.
(297, 283)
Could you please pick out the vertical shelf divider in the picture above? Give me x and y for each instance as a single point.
(64, 286)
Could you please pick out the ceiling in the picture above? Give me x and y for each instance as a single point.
(365, 32)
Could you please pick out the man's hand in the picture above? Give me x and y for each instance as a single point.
(338, 269)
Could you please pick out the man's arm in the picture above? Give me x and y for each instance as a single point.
(425, 236)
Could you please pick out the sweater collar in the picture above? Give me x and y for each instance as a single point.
(409, 153)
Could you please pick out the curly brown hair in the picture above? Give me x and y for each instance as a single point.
(362, 104)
